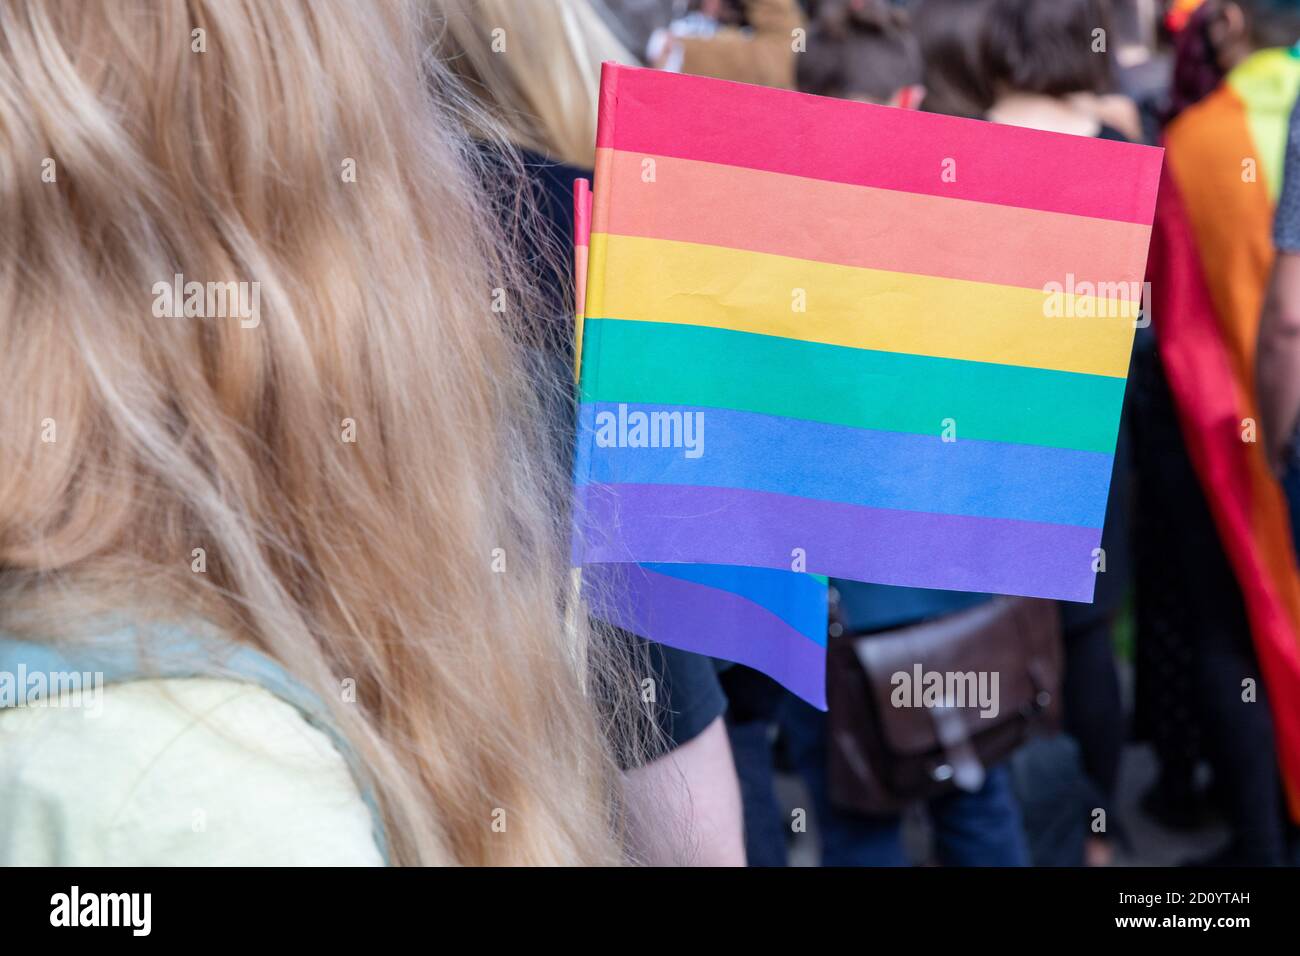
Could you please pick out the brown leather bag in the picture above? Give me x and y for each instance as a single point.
(884, 756)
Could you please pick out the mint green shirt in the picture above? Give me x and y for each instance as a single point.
(193, 771)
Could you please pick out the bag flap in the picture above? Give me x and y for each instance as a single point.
(1004, 653)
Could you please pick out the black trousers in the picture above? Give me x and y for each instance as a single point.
(1194, 645)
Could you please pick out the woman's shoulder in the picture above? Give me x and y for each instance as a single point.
(185, 771)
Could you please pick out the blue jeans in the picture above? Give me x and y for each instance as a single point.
(971, 829)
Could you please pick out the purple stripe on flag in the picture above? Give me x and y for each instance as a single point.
(697, 525)
(705, 620)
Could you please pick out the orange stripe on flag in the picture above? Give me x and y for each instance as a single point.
(661, 197)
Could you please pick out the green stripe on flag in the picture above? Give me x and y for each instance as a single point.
(648, 362)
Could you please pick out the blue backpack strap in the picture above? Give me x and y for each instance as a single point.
(120, 655)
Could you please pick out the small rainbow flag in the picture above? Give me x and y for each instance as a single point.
(827, 337)
(773, 621)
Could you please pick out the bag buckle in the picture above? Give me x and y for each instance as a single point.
(963, 765)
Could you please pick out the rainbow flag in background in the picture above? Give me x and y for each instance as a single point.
(861, 342)
(1211, 255)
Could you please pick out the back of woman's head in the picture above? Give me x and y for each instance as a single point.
(355, 456)
(1049, 47)
(951, 34)
(860, 50)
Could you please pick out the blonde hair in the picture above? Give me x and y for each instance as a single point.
(127, 156)
(534, 66)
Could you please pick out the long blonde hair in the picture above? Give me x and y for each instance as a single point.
(364, 471)
(535, 66)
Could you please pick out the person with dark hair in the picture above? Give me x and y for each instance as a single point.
(1197, 69)
(951, 36)
(1212, 252)
(1217, 36)
(1049, 48)
(1052, 70)
(1187, 599)
(863, 51)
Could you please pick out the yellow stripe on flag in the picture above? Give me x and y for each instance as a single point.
(655, 280)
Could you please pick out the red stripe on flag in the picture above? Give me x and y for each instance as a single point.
(692, 117)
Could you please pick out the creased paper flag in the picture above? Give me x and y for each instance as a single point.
(851, 340)
(771, 620)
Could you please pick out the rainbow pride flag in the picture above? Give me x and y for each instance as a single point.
(773, 621)
(826, 337)
(1211, 255)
